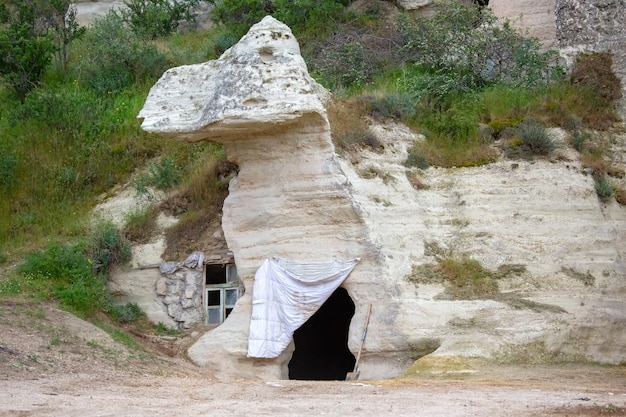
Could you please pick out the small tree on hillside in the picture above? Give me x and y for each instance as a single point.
(31, 31)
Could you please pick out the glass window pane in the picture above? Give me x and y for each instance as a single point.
(213, 297)
(231, 297)
(214, 316)
(231, 273)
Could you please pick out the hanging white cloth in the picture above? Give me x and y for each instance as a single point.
(285, 295)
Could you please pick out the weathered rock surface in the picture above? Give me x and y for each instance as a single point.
(536, 18)
(290, 198)
(598, 26)
(295, 198)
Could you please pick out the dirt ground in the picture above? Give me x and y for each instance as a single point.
(53, 364)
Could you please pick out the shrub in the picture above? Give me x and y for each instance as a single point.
(467, 48)
(107, 247)
(223, 40)
(414, 159)
(161, 175)
(157, 18)
(239, 15)
(359, 138)
(312, 16)
(139, 224)
(467, 279)
(354, 55)
(113, 57)
(604, 189)
(578, 140)
(124, 313)
(594, 71)
(8, 168)
(68, 273)
(398, 106)
(531, 138)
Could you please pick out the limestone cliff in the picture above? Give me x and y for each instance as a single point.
(290, 198)
(295, 198)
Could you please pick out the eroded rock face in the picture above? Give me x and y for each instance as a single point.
(294, 198)
(290, 198)
(532, 17)
(598, 26)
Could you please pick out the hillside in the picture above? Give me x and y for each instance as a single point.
(492, 277)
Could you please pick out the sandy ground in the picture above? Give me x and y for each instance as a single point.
(53, 364)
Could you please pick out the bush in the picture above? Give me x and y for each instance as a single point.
(139, 224)
(239, 15)
(161, 175)
(157, 18)
(466, 48)
(68, 273)
(414, 159)
(579, 139)
(359, 138)
(397, 106)
(26, 48)
(113, 57)
(107, 247)
(125, 313)
(604, 189)
(467, 279)
(8, 168)
(311, 16)
(594, 71)
(531, 138)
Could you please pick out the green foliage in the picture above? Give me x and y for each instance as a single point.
(239, 15)
(463, 47)
(112, 57)
(139, 224)
(604, 189)
(8, 167)
(414, 159)
(303, 16)
(224, 39)
(68, 274)
(467, 279)
(162, 329)
(161, 175)
(25, 46)
(310, 16)
(397, 106)
(124, 313)
(158, 18)
(531, 138)
(107, 247)
(65, 29)
(578, 140)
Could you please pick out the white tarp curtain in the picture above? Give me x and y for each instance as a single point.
(285, 295)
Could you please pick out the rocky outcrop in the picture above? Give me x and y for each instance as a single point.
(295, 198)
(598, 26)
(535, 18)
(290, 198)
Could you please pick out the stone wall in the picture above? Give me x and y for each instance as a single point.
(598, 25)
(181, 294)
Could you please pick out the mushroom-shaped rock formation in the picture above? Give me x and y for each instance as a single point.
(290, 198)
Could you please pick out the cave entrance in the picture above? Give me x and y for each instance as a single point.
(321, 344)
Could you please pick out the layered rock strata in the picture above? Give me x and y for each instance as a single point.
(290, 198)
(294, 198)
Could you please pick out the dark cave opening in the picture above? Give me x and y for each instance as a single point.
(321, 343)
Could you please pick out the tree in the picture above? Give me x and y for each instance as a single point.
(31, 31)
(156, 18)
